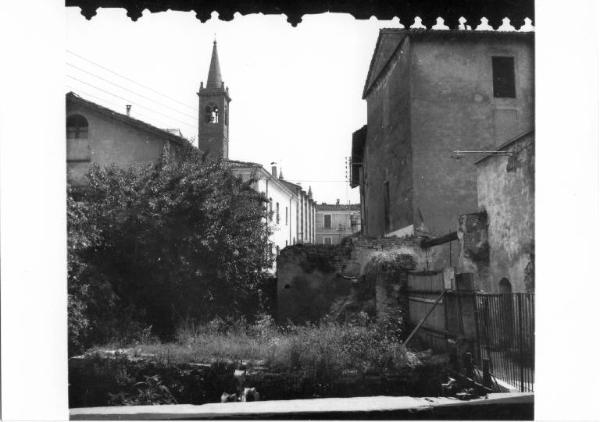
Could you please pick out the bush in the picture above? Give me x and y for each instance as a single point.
(158, 244)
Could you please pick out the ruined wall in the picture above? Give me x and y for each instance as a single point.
(109, 142)
(506, 192)
(310, 284)
(453, 108)
(361, 274)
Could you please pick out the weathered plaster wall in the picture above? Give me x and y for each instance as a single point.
(110, 142)
(435, 96)
(310, 284)
(388, 152)
(359, 274)
(453, 108)
(506, 191)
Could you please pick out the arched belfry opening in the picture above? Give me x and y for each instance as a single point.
(213, 119)
(211, 113)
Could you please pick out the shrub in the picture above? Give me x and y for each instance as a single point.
(158, 244)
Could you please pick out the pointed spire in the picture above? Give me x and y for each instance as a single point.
(214, 79)
(310, 192)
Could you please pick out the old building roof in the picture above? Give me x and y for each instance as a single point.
(338, 207)
(76, 99)
(214, 79)
(390, 40)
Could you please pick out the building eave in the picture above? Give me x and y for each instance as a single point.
(139, 124)
(506, 145)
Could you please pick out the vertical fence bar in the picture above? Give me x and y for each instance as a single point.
(477, 340)
(521, 343)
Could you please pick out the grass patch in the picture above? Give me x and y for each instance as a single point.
(327, 348)
(321, 360)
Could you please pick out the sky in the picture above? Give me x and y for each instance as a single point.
(296, 91)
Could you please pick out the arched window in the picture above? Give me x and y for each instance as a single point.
(505, 286)
(211, 112)
(77, 127)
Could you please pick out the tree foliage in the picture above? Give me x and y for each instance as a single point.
(154, 245)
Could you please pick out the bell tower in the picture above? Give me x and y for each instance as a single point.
(213, 112)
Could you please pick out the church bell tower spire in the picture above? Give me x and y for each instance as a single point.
(213, 112)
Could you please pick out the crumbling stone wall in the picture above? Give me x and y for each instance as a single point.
(360, 274)
(506, 192)
(387, 272)
(474, 256)
(312, 283)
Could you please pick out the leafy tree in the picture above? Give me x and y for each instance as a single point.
(157, 244)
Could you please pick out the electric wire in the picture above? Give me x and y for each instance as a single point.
(129, 79)
(129, 90)
(105, 100)
(129, 101)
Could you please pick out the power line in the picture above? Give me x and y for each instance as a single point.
(125, 99)
(105, 100)
(130, 80)
(129, 90)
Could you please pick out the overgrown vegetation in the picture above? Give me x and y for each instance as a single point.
(325, 360)
(151, 246)
(328, 347)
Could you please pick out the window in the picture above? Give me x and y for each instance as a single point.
(212, 113)
(277, 213)
(386, 205)
(286, 216)
(327, 240)
(77, 127)
(270, 209)
(327, 221)
(505, 286)
(503, 74)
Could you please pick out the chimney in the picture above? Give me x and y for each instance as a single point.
(128, 109)
(337, 202)
(274, 171)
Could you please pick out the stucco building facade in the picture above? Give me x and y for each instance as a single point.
(96, 134)
(506, 194)
(336, 221)
(430, 93)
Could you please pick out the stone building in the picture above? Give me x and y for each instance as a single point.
(336, 221)
(96, 134)
(430, 93)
